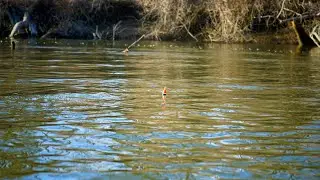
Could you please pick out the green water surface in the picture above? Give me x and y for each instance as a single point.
(84, 110)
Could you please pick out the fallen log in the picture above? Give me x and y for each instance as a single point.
(303, 38)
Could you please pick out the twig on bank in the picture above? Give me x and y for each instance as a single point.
(315, 36)
(115, 28)
(127, 49)
(286, 9)
(185, 27)
(307, 16)
(97, 34)
(282, 6)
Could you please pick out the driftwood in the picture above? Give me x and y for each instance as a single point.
(127, 49)
(303, 38)
(315, 35)
(302, 17)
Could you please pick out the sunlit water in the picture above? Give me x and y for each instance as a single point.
(83, 109)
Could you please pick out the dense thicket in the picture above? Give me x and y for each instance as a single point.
(73, 18)
(206, 20)
(222, 20)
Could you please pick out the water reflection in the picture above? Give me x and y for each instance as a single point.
(231, 112)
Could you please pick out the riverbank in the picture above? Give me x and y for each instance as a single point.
(206, 21)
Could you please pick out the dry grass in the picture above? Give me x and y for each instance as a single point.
(168, 19)
(206, 20)
(218, 20)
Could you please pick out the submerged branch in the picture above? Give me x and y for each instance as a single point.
(127, 49)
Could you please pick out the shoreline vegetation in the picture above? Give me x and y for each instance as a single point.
(229, 21)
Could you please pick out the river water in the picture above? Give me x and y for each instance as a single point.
(84, 110)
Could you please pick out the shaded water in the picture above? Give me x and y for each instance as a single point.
(73, 109)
